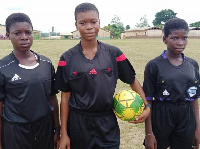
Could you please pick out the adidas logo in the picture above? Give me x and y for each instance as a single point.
(93, 71)
(165, 92)
(15, 77)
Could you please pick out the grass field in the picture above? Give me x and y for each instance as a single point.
(138, 51)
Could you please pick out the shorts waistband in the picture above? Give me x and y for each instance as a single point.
(31, 124)
(92, 113)
(185, 99)
(179, 104)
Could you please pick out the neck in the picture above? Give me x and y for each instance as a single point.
(173, 55)
(22, 54)
(89, 44)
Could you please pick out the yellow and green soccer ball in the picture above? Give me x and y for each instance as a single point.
(128, 105)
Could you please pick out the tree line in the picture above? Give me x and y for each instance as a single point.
(117, 27)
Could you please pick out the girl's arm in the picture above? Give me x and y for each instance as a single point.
(1, 107)
(54, 102)
(64, 113)
(137, 88)
(195, 105)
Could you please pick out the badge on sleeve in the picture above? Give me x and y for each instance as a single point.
(192, 91)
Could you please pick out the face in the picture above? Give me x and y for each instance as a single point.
(88, 24)
(176, 41)
(21, 36)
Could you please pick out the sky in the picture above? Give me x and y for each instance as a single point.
(59, 14)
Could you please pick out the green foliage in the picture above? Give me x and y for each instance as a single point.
(195, 24)
(128, 27)
(116, 27)
(163, 16)
(143, 22)
(36, 36)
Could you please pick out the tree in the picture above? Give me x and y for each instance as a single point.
(116, 27)
(115, 20)
(163, 16)
(143, 22)
(128, 27)
(195, 24)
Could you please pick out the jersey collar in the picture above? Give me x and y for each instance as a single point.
(13, 56)
(165, 57)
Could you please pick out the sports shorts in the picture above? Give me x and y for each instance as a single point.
(173, 124)
(89, 130)
(36, 135)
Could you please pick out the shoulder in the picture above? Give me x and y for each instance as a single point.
(7, 60)
(42, 58)
(110, 49)
(192, 61)
(156, 61)
(71, 52)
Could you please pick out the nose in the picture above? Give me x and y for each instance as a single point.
(181, 42)
(23, 36)
(88, 26)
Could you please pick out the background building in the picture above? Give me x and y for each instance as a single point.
(66, 35)
(194, 32)
(144, 32)
(2, 31)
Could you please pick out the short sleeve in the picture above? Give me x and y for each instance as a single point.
(126, 73)
(198, 80)
(2, 88)
(53, 87)
(149, 82)
(61, 76)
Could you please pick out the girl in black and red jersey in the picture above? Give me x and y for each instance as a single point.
(87, 76)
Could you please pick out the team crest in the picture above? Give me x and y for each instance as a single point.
(192, 91)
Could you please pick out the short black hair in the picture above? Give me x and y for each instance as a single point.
(85, 7)
(17, 18)
(175, 24)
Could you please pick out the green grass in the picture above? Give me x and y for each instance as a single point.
(138, 51)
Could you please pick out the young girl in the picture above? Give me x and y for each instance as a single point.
(87, 76)
(28, 101)
(172, 79)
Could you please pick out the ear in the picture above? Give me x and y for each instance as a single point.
(165, 39)
(76, 25)
(7, 34)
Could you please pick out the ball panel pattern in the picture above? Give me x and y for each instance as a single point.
(128, 105)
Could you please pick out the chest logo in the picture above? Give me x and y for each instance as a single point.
(192, 91)
(15, 77)
(165, 92)
(93, 71)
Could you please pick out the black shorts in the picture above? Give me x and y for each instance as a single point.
(173, 124)
(37, 135)
(93, 130)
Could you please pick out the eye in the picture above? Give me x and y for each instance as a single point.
(185, 38)
(94, 21)
(82, 23)
(173, 38)
(17, 33)
(29, 33)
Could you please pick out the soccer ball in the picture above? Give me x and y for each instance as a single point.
(128, 105)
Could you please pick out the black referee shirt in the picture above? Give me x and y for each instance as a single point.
(164, 81)
(26, 91)
(92, 82)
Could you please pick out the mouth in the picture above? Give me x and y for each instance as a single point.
(89, 33)
(24, 44)
(180, 48)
